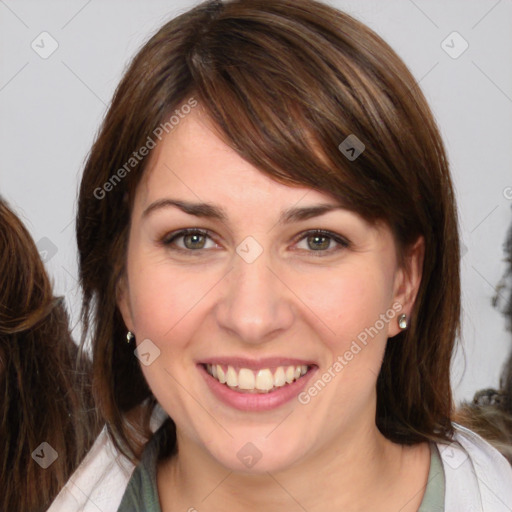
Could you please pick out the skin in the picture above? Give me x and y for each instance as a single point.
(289, 302)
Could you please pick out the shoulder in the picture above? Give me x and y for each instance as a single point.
(478, 477)
(94, 485)
(101, 479)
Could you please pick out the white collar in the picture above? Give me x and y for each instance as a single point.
(477, 477)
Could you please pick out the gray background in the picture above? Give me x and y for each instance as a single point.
(50, 110)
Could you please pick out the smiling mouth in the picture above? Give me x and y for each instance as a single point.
(245, 380)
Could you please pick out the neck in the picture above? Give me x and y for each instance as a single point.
(356, 471)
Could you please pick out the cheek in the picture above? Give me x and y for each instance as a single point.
(349, 301)
(165, 307)
(162, 296)
(349, 315)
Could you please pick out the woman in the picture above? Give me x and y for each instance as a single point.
(269, 256)
(47, 419)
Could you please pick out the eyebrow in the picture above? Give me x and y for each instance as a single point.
(205, 210)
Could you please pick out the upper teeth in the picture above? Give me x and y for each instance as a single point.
(263, 380)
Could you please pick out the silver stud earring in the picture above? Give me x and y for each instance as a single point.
(402, 321)
(129, 337)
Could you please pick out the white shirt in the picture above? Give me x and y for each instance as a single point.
(477, 477)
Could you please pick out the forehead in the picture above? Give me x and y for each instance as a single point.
(193, 165)
(192, 161)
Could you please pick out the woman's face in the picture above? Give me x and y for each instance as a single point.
(257, 298)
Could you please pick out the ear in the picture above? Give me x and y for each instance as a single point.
(407, 282)
(123, 302)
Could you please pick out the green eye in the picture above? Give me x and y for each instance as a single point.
(320, 241)
(195, 240)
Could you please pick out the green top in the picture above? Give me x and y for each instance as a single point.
(141, 494)
(433, 499)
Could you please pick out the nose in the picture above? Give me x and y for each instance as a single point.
(256, 305)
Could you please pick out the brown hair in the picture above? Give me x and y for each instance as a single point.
(490, 415)
(285, 82)
(40, 391)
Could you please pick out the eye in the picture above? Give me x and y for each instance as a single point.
(193, 239)
(319, 241)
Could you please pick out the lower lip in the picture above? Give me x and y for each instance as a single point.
(256, 401)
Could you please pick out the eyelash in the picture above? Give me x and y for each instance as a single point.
(343, 243)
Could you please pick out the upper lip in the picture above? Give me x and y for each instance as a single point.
(257, 364)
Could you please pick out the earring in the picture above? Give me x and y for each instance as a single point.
(129, 337)
(402, 321)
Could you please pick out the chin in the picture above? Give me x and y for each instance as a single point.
(257, 455)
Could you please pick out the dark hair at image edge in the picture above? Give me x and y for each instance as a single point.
(44, 395)
(284, 82)
(490, 412)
